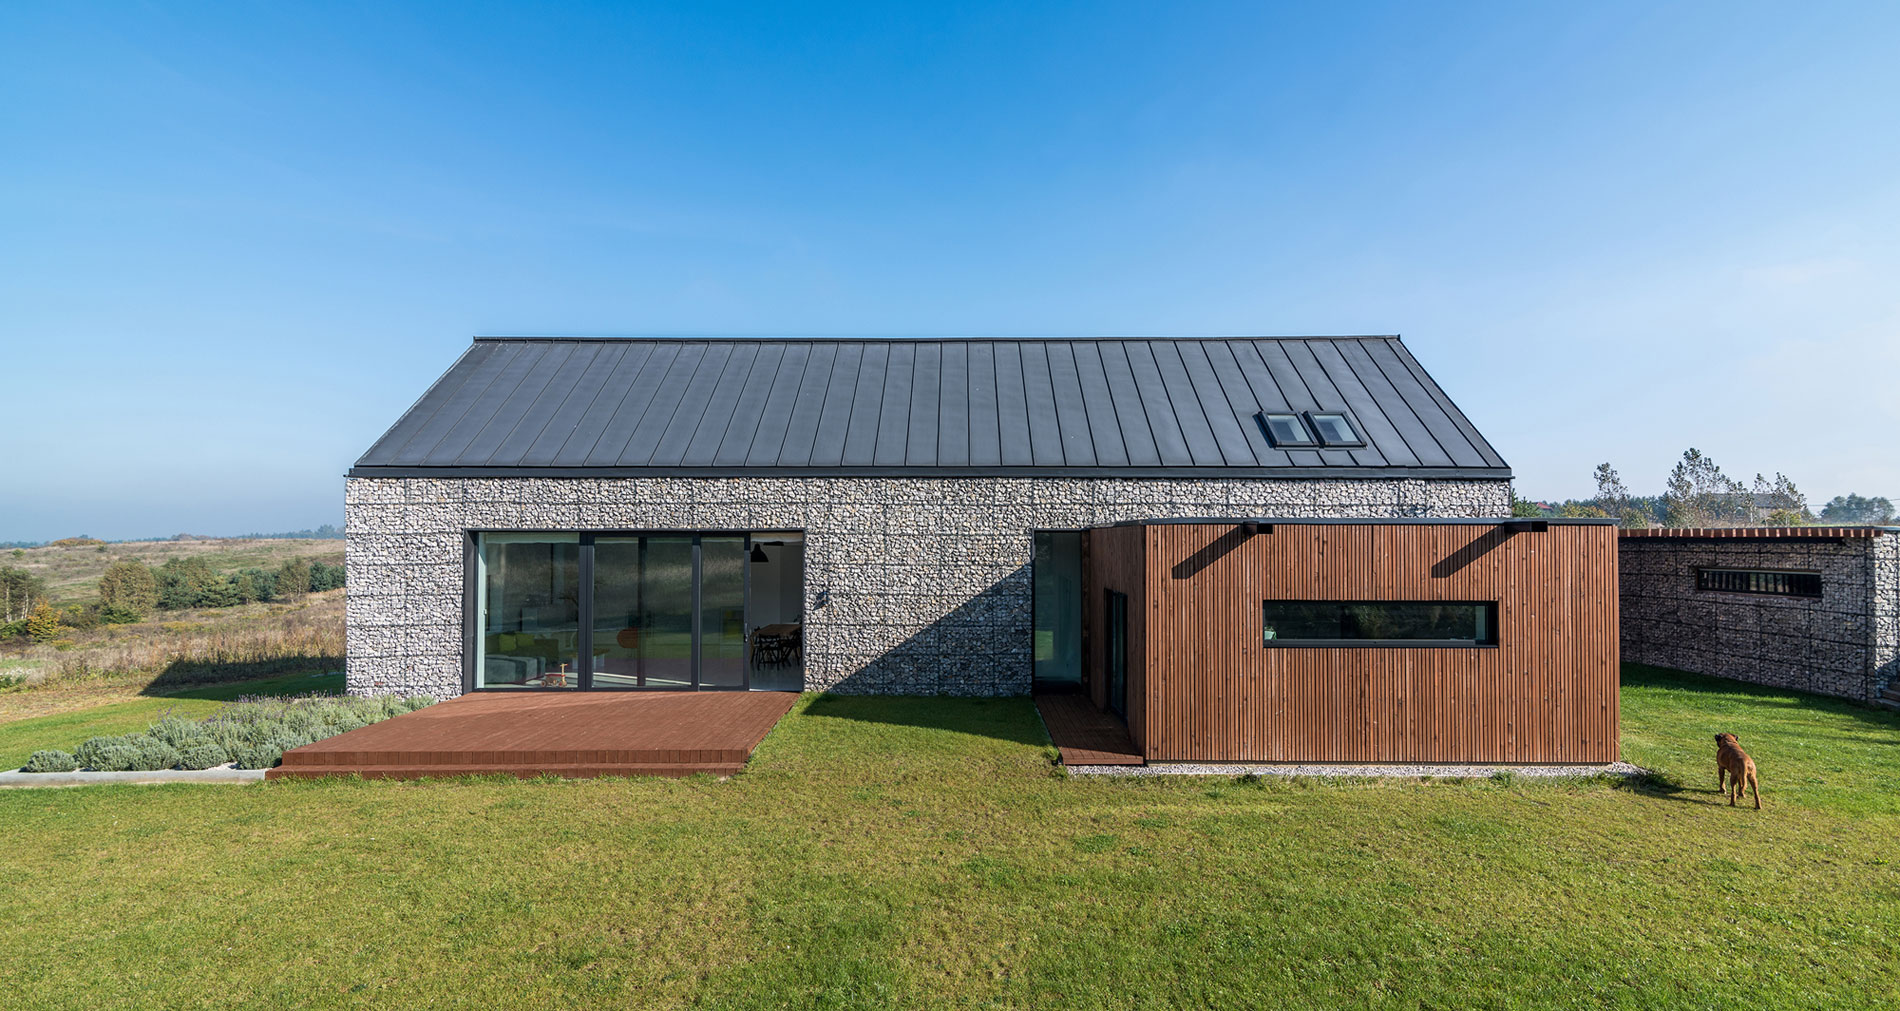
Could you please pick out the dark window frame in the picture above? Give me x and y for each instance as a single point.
(471, 621)
(1312, 421)
(1492, 607)
(1265, 418)
(1802, 583)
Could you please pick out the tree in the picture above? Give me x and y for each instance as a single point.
(1524, 507)
(43, 624)
(1613, 499)
(19, 591)
(128, 590)
(183, 582)
(293, 579)
(1855, 509)
(1700, 495)
(1783, 503)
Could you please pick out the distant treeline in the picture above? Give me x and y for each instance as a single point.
(326, 532)
(184, 583)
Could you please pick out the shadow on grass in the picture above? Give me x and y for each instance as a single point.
(1008, 719)
(192, 673)
(1640, 676)
(305, 683)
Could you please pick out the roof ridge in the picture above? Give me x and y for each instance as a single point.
(485, 338)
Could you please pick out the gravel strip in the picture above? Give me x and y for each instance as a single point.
(216, 774)
(1360, 771)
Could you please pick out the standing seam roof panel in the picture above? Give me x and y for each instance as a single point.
(800, 441)
(921, 436)
(1203, 451)
(749, 412)
(646, 410)
(1170, 442)
(580, 434)
(1012, 407)
(1293, 391)
(893, 419)
(475, 380)
(1413, 431)
(953, 407)
(1464, 425)
(709, 432)
(1104, 430)
(1385, 446)
(519, 404)
(1130, 416)
(1324, 393)
(834, 419)
(986, 411)
(561, 389)
(1071, 407)
(419, 413)
(1210, 392)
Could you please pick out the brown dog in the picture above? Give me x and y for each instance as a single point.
(1733, 765)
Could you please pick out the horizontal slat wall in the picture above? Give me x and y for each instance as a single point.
(1114, 556)
(1213, 692)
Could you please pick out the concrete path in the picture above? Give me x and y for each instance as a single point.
(217, 774)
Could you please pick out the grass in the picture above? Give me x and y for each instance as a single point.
(175, 648)
(64, 731)
(924, 853)
(72, 573)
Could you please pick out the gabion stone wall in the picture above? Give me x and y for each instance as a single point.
(1845, 643)
(927, 579)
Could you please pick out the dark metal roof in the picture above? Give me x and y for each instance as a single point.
(1100, 407)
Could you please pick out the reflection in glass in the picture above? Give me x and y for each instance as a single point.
(643, 612)
(1057, 587)
(528, 589)
(722, 652)
(1375, 622)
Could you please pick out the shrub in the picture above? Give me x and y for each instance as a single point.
(115, 758)
(179, 733)
(203, 755)
(50, 761)
(153, 755)
(128, 587)
(90, 754)
(257, 756)
(43, 624)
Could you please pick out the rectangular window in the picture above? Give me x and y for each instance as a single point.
(1285, 429)
(1765, 581)
(1057, 587)
(1379, 623)
(1334, 429)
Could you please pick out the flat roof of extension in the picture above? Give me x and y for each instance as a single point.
(1757, 533)
(1176, 407)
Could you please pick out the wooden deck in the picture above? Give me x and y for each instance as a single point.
(568, 734)
(1084, 734)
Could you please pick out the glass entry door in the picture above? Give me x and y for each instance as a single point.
(628, 611)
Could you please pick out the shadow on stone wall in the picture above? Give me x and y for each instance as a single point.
(981, 648)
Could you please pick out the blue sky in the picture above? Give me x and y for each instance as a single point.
(236, 240)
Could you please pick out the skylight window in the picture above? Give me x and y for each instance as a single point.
(1285, 430)
(1335, 430)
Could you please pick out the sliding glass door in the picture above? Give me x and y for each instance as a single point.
(631, 611)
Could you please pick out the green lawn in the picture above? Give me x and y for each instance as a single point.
(924, 853)
(20, 738)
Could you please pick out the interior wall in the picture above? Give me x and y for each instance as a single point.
(778, 586)
(1116, 558)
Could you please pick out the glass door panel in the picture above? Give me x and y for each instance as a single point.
(722, 642)
(643, 612)
(528, 607)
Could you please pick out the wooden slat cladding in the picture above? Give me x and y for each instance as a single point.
(1210, 691)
